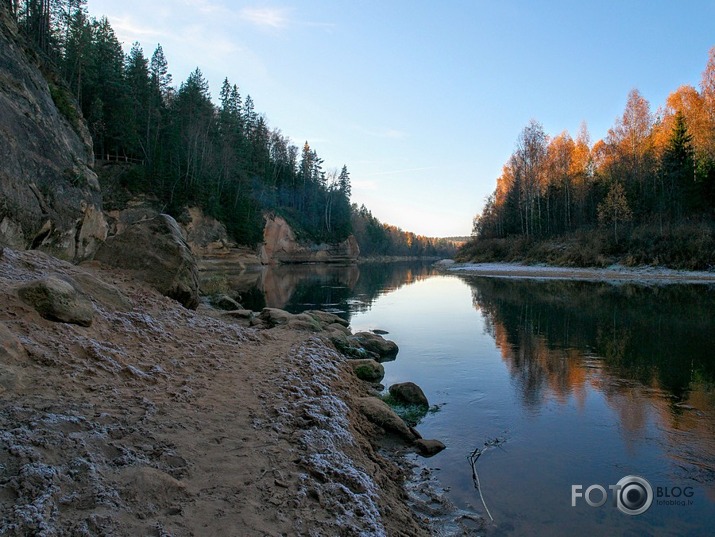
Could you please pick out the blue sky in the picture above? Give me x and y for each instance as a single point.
(424, 100)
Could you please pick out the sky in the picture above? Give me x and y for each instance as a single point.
(422, 100)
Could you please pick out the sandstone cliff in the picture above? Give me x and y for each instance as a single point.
(280, 246)
(49, 196)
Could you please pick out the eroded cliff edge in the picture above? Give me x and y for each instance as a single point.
(50, 197)
(281, 246)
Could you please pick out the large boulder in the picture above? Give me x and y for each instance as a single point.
(368, 369)
(49, 194)
(380, 413)
(377, 344)
(275, 317)
(57, 300)
(155, 251)
(429, 448)
(327, 319)
(409, 393)
(102, 292)
(281, 246)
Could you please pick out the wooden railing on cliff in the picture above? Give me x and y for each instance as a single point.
(109, 159)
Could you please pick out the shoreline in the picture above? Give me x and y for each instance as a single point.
(615, 273)
(155, 418)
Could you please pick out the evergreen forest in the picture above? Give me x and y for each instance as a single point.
(172, 144)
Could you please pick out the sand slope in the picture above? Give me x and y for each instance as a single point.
(157, 420)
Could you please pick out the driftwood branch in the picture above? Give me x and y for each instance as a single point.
(496, 442)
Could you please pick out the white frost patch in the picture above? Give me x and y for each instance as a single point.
(613, 273)
(320, 421)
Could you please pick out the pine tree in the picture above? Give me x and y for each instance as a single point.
(679, 189)
(139, 83)
(160, 77)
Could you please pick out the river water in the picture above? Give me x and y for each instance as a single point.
(565, 387)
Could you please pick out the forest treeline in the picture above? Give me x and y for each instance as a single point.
(179, 148)
(380, 240)
(645, 194)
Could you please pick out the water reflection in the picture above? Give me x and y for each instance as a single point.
(589, 381)
(341, 289)
(648, 350)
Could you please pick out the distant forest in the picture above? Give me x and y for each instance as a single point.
(181, 149)
(645, 194)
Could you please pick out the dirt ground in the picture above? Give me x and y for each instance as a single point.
(157, 420)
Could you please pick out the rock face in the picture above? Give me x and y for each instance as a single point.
(280, 246)
(155, 251)
(206, 235)
(57, 300)
(49, 196)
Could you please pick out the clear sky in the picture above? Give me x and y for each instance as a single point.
(423, 100)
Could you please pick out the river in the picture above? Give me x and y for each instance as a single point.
(567, 388)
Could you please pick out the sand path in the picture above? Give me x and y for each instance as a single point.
(157, 420)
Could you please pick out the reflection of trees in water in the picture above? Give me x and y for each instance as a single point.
(377, 279)
(296, 288)
(648, 350)
(537, 369)
(348, 288)
(644, 334)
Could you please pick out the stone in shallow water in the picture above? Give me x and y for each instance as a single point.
(380, 413)
(428, 448)
(375, 343)
(409, 393)
(368, 369)
(226, 303)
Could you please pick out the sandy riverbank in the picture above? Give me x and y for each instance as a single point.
(614, 273)
(157, 420)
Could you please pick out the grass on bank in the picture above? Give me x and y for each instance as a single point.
(689, 246)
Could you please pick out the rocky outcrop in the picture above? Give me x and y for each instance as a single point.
(206, 235)
(155, 251)
(49, 195)
(281, 246)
